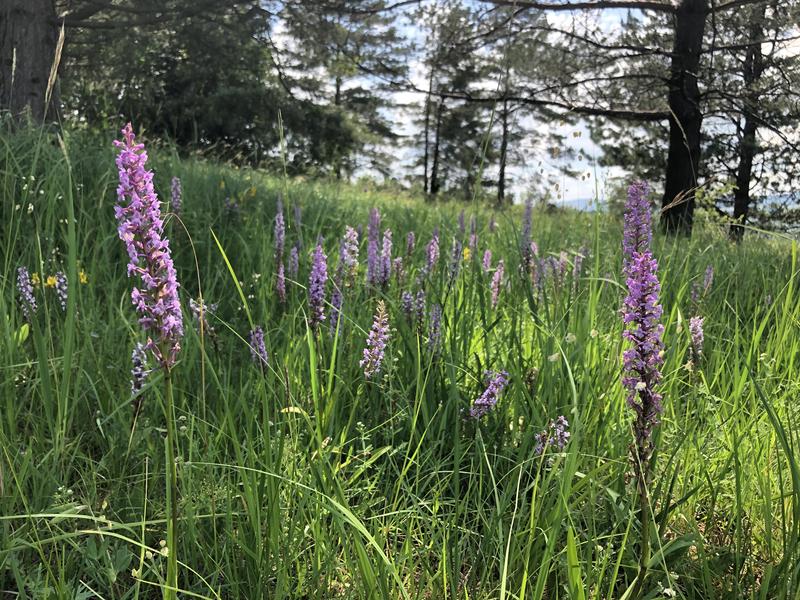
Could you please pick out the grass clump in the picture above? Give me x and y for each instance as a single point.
(299, 477)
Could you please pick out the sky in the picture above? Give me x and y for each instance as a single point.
(539, 173)
(539, 170)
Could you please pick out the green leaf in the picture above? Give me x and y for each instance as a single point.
(21, 334)
(574, 568)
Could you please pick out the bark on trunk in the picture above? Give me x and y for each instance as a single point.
(427, 126)
(753, 68)
(28, 38)
(435, 166)
(683, 157)
(337, 100)
(501, 177)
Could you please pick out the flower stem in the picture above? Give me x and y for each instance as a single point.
(645, 517)
(172, 492)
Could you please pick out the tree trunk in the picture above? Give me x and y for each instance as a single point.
(501, 177)
(337, 100)
(425, 182)
(427, 126)
(434, 185)
(426, 142)
(683, 157)
(753, 68)
(28, 38)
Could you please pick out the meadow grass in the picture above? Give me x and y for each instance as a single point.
(306, 480)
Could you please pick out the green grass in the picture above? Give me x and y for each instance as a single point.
(306, 481)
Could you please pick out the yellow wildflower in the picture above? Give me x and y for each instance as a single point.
(82, 277)
(50, 281)
(35, 279)
(222, 184)
(467, 253)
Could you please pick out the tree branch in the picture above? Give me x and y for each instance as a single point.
(656, 5)
(733, 4)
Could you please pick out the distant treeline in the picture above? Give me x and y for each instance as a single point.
(444, 95)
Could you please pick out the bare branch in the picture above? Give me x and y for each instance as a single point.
(656, 5)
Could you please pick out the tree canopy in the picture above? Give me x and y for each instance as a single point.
(450, 95)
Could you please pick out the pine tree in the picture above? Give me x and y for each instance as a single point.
(456, 139)
(348, 55)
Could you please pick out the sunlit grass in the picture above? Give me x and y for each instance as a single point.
(308, 481)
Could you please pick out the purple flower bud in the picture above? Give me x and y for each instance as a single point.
(258, 349)
(695, 297)
(345, 274)
(348, 256)
(407, 304)
(414, 307)
(419, 309)
(410, 241)
(432, 253)
(637, 231)
(527, 223)
(708, 279)
(435, 330)
(698, 291)
(294, 261)
(61, 290)
(373, 265)
(376, 343)
(697, 335)
(25, 291)
(141, 229)
(542, 269)
(473, 234)
(373, 261)
(641, 316)
(487, 261)
(455, 259)
(139, 371)
(555, 436)
(280, 284)
(398, 269)
(280, 232)
(497, 282)
(177, 196)
(461, 226)
(559, 436)
(485, 403)
(563, 264)
(316, 287)
(385, 269)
